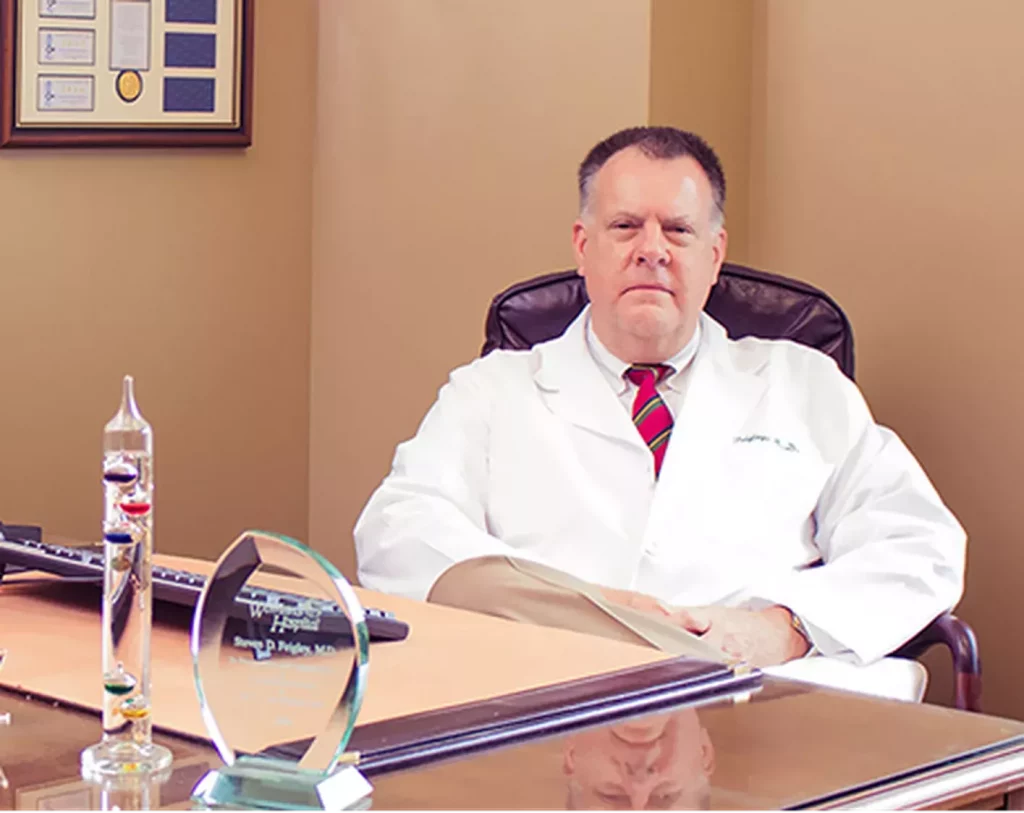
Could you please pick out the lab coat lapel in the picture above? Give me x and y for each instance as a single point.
(573, 387)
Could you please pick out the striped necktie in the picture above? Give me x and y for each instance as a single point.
(651, 416)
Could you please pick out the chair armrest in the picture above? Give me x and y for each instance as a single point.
(959, 638)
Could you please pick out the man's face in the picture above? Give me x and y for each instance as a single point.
(649, 247)
(662, 762)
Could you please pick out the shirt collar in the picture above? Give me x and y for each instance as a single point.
(614, 367)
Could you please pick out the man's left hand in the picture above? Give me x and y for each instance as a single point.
(760, 637)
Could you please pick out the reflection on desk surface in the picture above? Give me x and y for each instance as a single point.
(39, 756)
(790, 744)
(137, 793)
(659, 762)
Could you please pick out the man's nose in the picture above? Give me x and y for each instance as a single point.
(639, 784)
(640, 797)
(653, 248)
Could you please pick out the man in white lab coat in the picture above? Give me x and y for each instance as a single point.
(741, 486)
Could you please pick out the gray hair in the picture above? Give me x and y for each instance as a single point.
(663, 143)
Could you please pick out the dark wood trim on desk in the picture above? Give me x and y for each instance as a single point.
(997, 773)
(458, 731)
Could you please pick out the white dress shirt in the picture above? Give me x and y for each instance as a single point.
(672, 389)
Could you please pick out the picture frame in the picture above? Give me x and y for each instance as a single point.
(126, 73)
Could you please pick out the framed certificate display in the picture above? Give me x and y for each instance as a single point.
(164, 73)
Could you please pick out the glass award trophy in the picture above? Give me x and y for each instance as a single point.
(280, 651)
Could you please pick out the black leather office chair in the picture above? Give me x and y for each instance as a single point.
(748, 303)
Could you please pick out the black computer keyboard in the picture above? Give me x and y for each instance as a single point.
(179, 586)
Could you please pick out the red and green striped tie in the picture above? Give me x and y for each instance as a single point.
(651, 416)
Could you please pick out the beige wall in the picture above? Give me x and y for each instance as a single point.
(880, 162)
(701, 75)
(189, 269)
(447, 140)
(888, 170)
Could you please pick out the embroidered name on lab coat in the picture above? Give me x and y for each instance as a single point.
(785, 445)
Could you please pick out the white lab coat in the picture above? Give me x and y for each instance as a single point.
(774, 463)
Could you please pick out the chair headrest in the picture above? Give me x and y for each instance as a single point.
(745, 301)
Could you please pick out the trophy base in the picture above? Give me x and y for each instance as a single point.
(113, 759)
(254, 783)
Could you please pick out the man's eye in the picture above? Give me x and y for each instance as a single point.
(623, 226)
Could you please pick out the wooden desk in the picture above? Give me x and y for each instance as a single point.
(450, 657)
(790, 745)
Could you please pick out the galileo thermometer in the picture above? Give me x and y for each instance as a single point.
(127, 746)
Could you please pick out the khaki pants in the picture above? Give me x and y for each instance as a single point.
(525, 591)
(519, 590)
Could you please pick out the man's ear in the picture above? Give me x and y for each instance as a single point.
(718, 249)
(707, 752)
(579, 244)
(569, 761)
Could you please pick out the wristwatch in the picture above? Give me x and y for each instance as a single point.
(797, 623)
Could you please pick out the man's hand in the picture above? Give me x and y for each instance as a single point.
(760, 637)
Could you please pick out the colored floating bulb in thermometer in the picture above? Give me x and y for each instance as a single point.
(119, 682)
(135, 708)
(121, 472)
(127, 745)
(135, 509)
